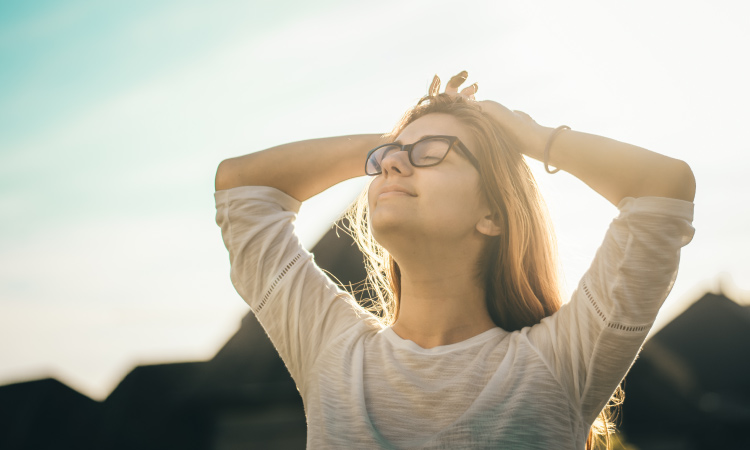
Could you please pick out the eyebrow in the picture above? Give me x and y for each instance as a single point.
(398, 141)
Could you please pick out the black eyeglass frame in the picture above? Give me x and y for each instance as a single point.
(408, 149)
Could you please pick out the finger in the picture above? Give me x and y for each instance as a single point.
(469, 91)
(455, 82)
(434, 87)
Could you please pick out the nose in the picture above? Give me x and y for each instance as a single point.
(397, 163)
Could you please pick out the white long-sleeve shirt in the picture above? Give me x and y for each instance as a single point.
(540, 387)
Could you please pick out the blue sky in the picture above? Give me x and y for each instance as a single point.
(114, 116)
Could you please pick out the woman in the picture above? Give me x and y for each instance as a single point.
(472, 347)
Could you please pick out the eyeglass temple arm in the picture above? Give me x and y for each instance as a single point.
(468, 154)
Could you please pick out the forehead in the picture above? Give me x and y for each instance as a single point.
(435, 124)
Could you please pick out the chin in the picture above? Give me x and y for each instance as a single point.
(385, 227)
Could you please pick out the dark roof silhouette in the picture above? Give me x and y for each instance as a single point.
(691, 382)
(36, 414)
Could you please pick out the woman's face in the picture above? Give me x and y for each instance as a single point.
(442, 203)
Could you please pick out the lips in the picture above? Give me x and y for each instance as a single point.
(396, 188)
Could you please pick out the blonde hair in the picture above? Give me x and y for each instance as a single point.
(520, 267)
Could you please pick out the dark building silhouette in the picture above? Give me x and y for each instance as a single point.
(688, 390)
(46, 414)
(690, 387)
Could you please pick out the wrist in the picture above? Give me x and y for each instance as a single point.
(534, 146)
(547, 159)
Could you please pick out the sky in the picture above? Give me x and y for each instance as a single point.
(115, 115)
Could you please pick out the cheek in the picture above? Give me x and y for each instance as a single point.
(459, 206)
(461, 193)
(371, 188)
(370, 202)
(455, 206)
(380, 217)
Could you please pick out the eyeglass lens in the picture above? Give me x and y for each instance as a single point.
(427, 152)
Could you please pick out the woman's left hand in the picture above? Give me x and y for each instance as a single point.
(527, 135)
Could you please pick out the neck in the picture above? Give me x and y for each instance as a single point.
(441, 301)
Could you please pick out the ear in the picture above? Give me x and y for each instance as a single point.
(489, 225)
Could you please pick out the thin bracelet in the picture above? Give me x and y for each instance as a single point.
(549, 144)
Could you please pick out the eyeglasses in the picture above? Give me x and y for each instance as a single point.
(426, 152)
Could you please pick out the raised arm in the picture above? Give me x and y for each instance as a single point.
(299, 307)
(613, 169)
(300, 169)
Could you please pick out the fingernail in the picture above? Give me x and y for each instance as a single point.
(476, 86)
(463, 74)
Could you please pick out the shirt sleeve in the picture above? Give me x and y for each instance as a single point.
(297, 304)
(592, 341)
